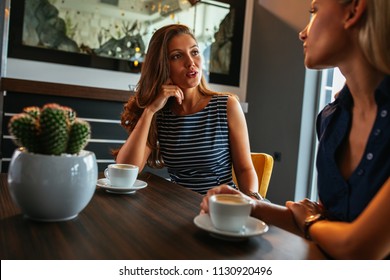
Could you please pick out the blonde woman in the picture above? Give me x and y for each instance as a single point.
(351, 218)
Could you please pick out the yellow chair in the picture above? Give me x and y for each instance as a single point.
(263, 164)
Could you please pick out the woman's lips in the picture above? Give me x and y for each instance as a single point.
(192, 74)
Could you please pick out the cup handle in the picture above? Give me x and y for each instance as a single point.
(106, 173)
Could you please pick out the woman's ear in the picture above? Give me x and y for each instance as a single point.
(355, 10)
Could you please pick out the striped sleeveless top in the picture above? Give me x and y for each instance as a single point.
(195, 148)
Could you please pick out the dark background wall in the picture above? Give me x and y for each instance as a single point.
(275, 96)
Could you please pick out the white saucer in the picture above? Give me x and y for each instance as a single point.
(104, 183)
(253, 227)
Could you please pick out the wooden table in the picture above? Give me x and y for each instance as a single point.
(155, 223)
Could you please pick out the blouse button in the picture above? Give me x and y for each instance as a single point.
(369, 156)
(360, 172)
(384, 113)
(377, 132)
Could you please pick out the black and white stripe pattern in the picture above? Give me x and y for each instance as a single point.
(195, 148)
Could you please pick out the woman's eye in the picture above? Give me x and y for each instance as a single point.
(175, 56)
(195, 52)
(312, 10)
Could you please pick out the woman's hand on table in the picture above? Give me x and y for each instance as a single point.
(303, 209)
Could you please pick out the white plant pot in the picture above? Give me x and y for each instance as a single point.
(52, 188)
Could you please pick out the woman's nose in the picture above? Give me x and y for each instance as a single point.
(190, 62)
(303, 35)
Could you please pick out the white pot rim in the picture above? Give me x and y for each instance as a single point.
(82, 153)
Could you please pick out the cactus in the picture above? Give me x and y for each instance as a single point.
(24, 128)
(33, 111)
(53, 130)
(71, 114)
(78, 136)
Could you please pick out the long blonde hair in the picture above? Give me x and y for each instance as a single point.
(374, 33)
(154, 73)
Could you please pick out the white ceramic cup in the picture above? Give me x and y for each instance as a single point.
(121, 175)
(229, 212)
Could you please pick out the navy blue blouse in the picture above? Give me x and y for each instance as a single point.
(345, 200)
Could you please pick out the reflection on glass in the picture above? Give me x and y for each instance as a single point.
(121, 29)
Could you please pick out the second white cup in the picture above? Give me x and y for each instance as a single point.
(121, 175)
(229, 212)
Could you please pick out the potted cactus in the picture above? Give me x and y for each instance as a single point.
(50, 176)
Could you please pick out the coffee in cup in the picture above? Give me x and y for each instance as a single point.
(121, 175)
(229, 212)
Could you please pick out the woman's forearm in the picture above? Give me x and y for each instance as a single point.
(247, 181)
(341, 241)
(367, 237)
(276, 215)
(135, 150)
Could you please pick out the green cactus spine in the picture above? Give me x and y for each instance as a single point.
(54, 130)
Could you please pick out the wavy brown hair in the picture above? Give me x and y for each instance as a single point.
(154, 73)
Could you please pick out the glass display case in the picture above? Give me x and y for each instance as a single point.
(114, 34)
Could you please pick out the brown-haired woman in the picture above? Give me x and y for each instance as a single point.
(174, 120)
